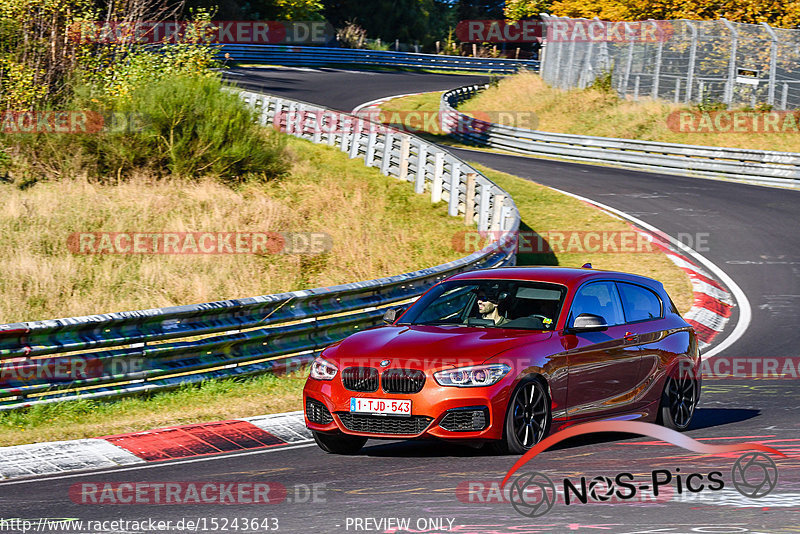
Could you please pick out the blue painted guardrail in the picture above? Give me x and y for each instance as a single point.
(321, 56)
(139, 351)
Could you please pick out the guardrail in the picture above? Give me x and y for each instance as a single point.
(130, 352)
(320, 56)
(743, 165)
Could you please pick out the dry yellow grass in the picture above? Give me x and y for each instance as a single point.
(378, 225)
(593, 112)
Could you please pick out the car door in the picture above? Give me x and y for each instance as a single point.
(643, 313)
(603, 367)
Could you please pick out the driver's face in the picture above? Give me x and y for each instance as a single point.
(485, 306)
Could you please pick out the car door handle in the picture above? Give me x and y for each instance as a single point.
(630, 336)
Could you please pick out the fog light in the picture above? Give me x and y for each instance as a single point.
(470, 419)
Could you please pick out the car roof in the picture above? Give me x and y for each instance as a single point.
(557, 275)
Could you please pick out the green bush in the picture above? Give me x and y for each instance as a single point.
(191, 127)
(186, 127)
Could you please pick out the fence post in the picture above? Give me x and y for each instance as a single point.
(659, 54)
(692, 60)
(469, 202)
(677, 90)
(728, 100)
(628, 64)
(588, 70)
(556, 75)
(438, 171)
(636, 89)
(405, 152)
(422, 170)
(785, 96)
(570, 64)
(455, 182)
(773, 63)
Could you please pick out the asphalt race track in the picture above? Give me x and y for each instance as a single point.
(752, 236)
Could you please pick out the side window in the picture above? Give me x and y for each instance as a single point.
(639, 303)
(598, 298)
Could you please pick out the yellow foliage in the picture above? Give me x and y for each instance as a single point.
(779, 13)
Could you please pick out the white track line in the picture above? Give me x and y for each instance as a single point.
(382, 100)
(151, 465)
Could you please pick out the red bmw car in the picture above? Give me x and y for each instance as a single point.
(504, 356)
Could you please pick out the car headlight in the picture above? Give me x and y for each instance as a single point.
(322, 369)
(474, 376)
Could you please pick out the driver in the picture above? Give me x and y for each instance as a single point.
(487, 307)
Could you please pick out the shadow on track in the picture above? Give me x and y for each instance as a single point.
(703, 418)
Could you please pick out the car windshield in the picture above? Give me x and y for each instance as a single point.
(507, 304)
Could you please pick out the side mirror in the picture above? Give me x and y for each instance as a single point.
(588, 322)
(391, 315)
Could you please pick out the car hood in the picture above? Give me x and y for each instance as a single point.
(428, 347)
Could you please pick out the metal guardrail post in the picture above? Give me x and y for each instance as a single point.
(485, 201)
(405, 153)
(773, 63)
(469, 203)
(356, 140)
(455, 181)
(372, 141)
(388, 145)
(422, 166)
(438, 172)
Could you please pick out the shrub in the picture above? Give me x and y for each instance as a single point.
(186, 127)
(193, 128)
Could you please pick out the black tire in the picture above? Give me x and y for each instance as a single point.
(679, 399)
(528, 418)
(338, 443)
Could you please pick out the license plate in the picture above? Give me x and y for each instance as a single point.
(380, 406)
